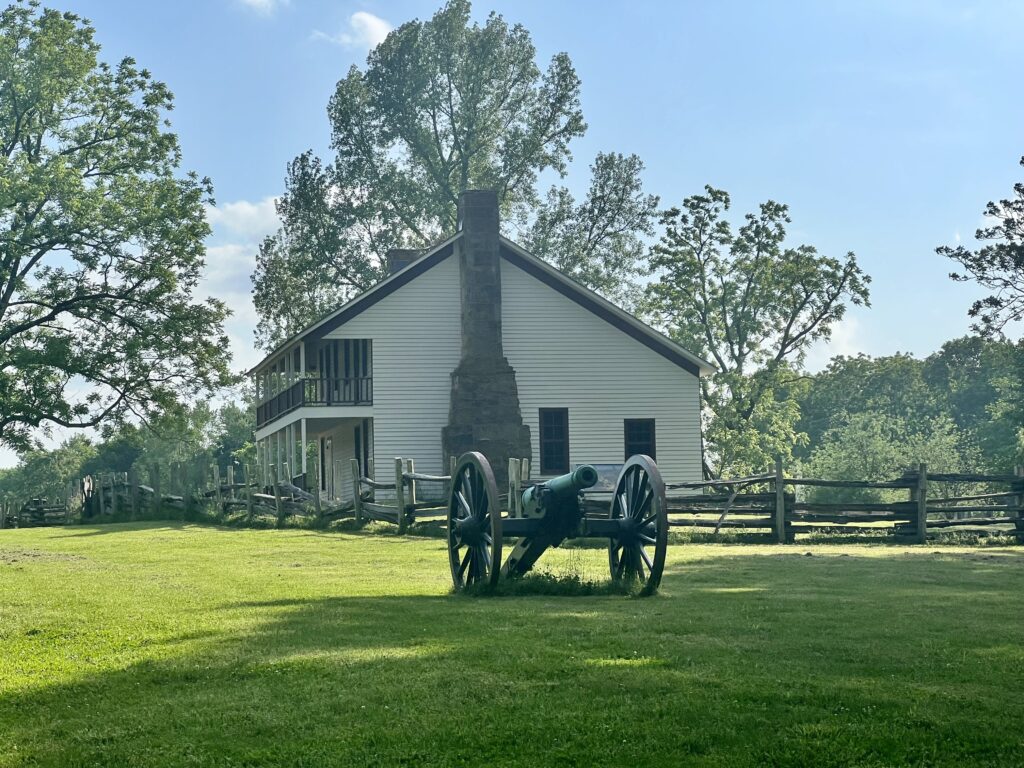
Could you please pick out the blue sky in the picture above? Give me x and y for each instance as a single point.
(886, 126)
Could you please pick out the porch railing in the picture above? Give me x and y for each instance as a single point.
(344, 391)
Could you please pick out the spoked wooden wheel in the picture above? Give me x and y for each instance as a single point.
(474, 523)
(637, 551)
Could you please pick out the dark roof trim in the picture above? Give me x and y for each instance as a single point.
(584, 299)
(363, 301)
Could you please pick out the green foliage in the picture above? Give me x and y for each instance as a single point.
(46, 474)
(893, 388)
(442, 106)
(876, 446)
(982, 382)
(198, 436)
(972, 382)
(101, 241)
(998, 267)
(753, 306)
(598, 242)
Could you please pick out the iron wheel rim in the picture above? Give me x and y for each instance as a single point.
(639, 503)
(474, 523)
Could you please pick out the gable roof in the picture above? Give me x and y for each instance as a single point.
(530, 264)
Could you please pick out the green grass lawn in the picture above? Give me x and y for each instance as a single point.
(170, 644)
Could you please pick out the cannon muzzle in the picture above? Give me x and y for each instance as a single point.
(562, 487)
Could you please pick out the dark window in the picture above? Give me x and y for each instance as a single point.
(554, 441)
(639, 437)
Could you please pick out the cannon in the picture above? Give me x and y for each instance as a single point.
(636, 523)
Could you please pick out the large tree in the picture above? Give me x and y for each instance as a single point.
(441, 106)
(998, 266)
(752, 305)
(599, 242)
(101, 238)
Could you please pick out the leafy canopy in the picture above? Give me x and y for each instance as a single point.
(752, 305)
(998, 266)
(972, 382)
(442, 106)
(873, 445)
(101, 241)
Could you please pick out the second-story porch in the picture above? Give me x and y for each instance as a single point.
(352, 390)
(328, 373)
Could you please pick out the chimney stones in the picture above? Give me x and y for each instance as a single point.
(484, 413)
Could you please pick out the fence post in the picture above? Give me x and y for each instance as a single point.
(186, 493)
(316, 490)
(400, 494)
(922, 503)
(780, 503)
(217, 495)
(113, 494)
(514, 468)
(1018, 514)
(277, 496)
(3, 515)
(158, 500)
(249, 473)
(410, 467)
(231, 481)
(524, 470)
(357, 492)
(133, 485)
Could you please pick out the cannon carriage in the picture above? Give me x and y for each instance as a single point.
(636, 523)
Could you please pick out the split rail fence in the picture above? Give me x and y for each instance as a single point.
(770, 502)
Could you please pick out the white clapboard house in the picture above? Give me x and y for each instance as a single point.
(476, 344)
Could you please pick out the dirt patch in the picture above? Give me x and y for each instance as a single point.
(12, 556)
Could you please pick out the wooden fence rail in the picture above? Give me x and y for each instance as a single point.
(769, 502)
(783, 515)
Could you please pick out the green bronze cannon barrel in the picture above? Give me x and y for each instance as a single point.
(569, 485)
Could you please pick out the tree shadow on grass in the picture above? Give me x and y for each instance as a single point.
(743, 660)
(86, 530)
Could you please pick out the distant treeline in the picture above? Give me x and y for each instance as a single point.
(960, 409)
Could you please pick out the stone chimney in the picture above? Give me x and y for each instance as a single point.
(484, 413)
(400, 258)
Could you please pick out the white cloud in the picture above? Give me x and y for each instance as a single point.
(263, 7)
(238, 227)
(249, 221)
(364, 31)
(847, 340)
(228, 274)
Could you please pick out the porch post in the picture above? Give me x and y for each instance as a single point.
(303, 432)
(291, 450)
(278, 444)
(266, 461)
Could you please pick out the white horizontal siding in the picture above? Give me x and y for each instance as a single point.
(416, 345)
(564, 356)
(567, 357)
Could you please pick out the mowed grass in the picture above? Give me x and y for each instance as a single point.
(170, 644)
